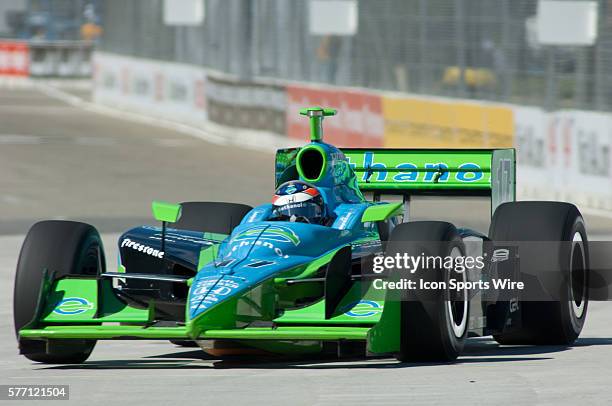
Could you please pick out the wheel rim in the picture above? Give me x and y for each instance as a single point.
(457, 310)
(577, 276)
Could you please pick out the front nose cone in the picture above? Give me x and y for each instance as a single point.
(208, 291)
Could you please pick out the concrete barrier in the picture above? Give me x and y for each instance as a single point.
(169, 90)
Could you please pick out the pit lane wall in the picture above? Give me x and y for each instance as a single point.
(562, 155)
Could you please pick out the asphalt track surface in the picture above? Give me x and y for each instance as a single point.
(58, 161)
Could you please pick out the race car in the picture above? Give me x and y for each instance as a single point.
(296, 275)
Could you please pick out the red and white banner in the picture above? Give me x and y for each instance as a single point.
(359, 122)
(14, 59)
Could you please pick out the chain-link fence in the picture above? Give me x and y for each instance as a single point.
(482, 49)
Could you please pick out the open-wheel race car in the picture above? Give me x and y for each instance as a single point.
(295, 276)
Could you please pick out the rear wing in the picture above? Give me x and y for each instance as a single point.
(458, 172)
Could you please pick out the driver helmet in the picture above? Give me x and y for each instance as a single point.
(298, 201)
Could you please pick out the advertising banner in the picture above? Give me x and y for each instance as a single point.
(170, 90)
(14, 59)
(359, 122)
(534, 153)
(423, 123)
(564, 155)
(584, 150)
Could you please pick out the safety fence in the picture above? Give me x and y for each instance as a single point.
(467, 49)
(563, 154)
(70, 59)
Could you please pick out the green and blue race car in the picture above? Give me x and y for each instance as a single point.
(298, 275)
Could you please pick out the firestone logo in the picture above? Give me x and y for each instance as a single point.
(145, 249)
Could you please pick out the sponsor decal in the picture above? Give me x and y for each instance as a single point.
(72, 305)
(364, 308)
(434, 171)
(343, 220)
(500, 255)
(210, 290)
(297, 198)
(145, 249)
(269, 233)
(259, 243)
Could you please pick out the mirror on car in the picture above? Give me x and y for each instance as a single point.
(166, 212)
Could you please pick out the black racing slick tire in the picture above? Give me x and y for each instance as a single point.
(549, 322)
(434, 324)
(213, 217)
(62, 248)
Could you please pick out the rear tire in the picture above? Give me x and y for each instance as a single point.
(63, 248)
(213, 217)
(548, 322)
(433, 324)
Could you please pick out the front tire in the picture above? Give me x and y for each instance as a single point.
(62, 248)
(434, 324)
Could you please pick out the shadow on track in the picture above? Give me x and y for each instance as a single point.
(478, 350)
(272, 363)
